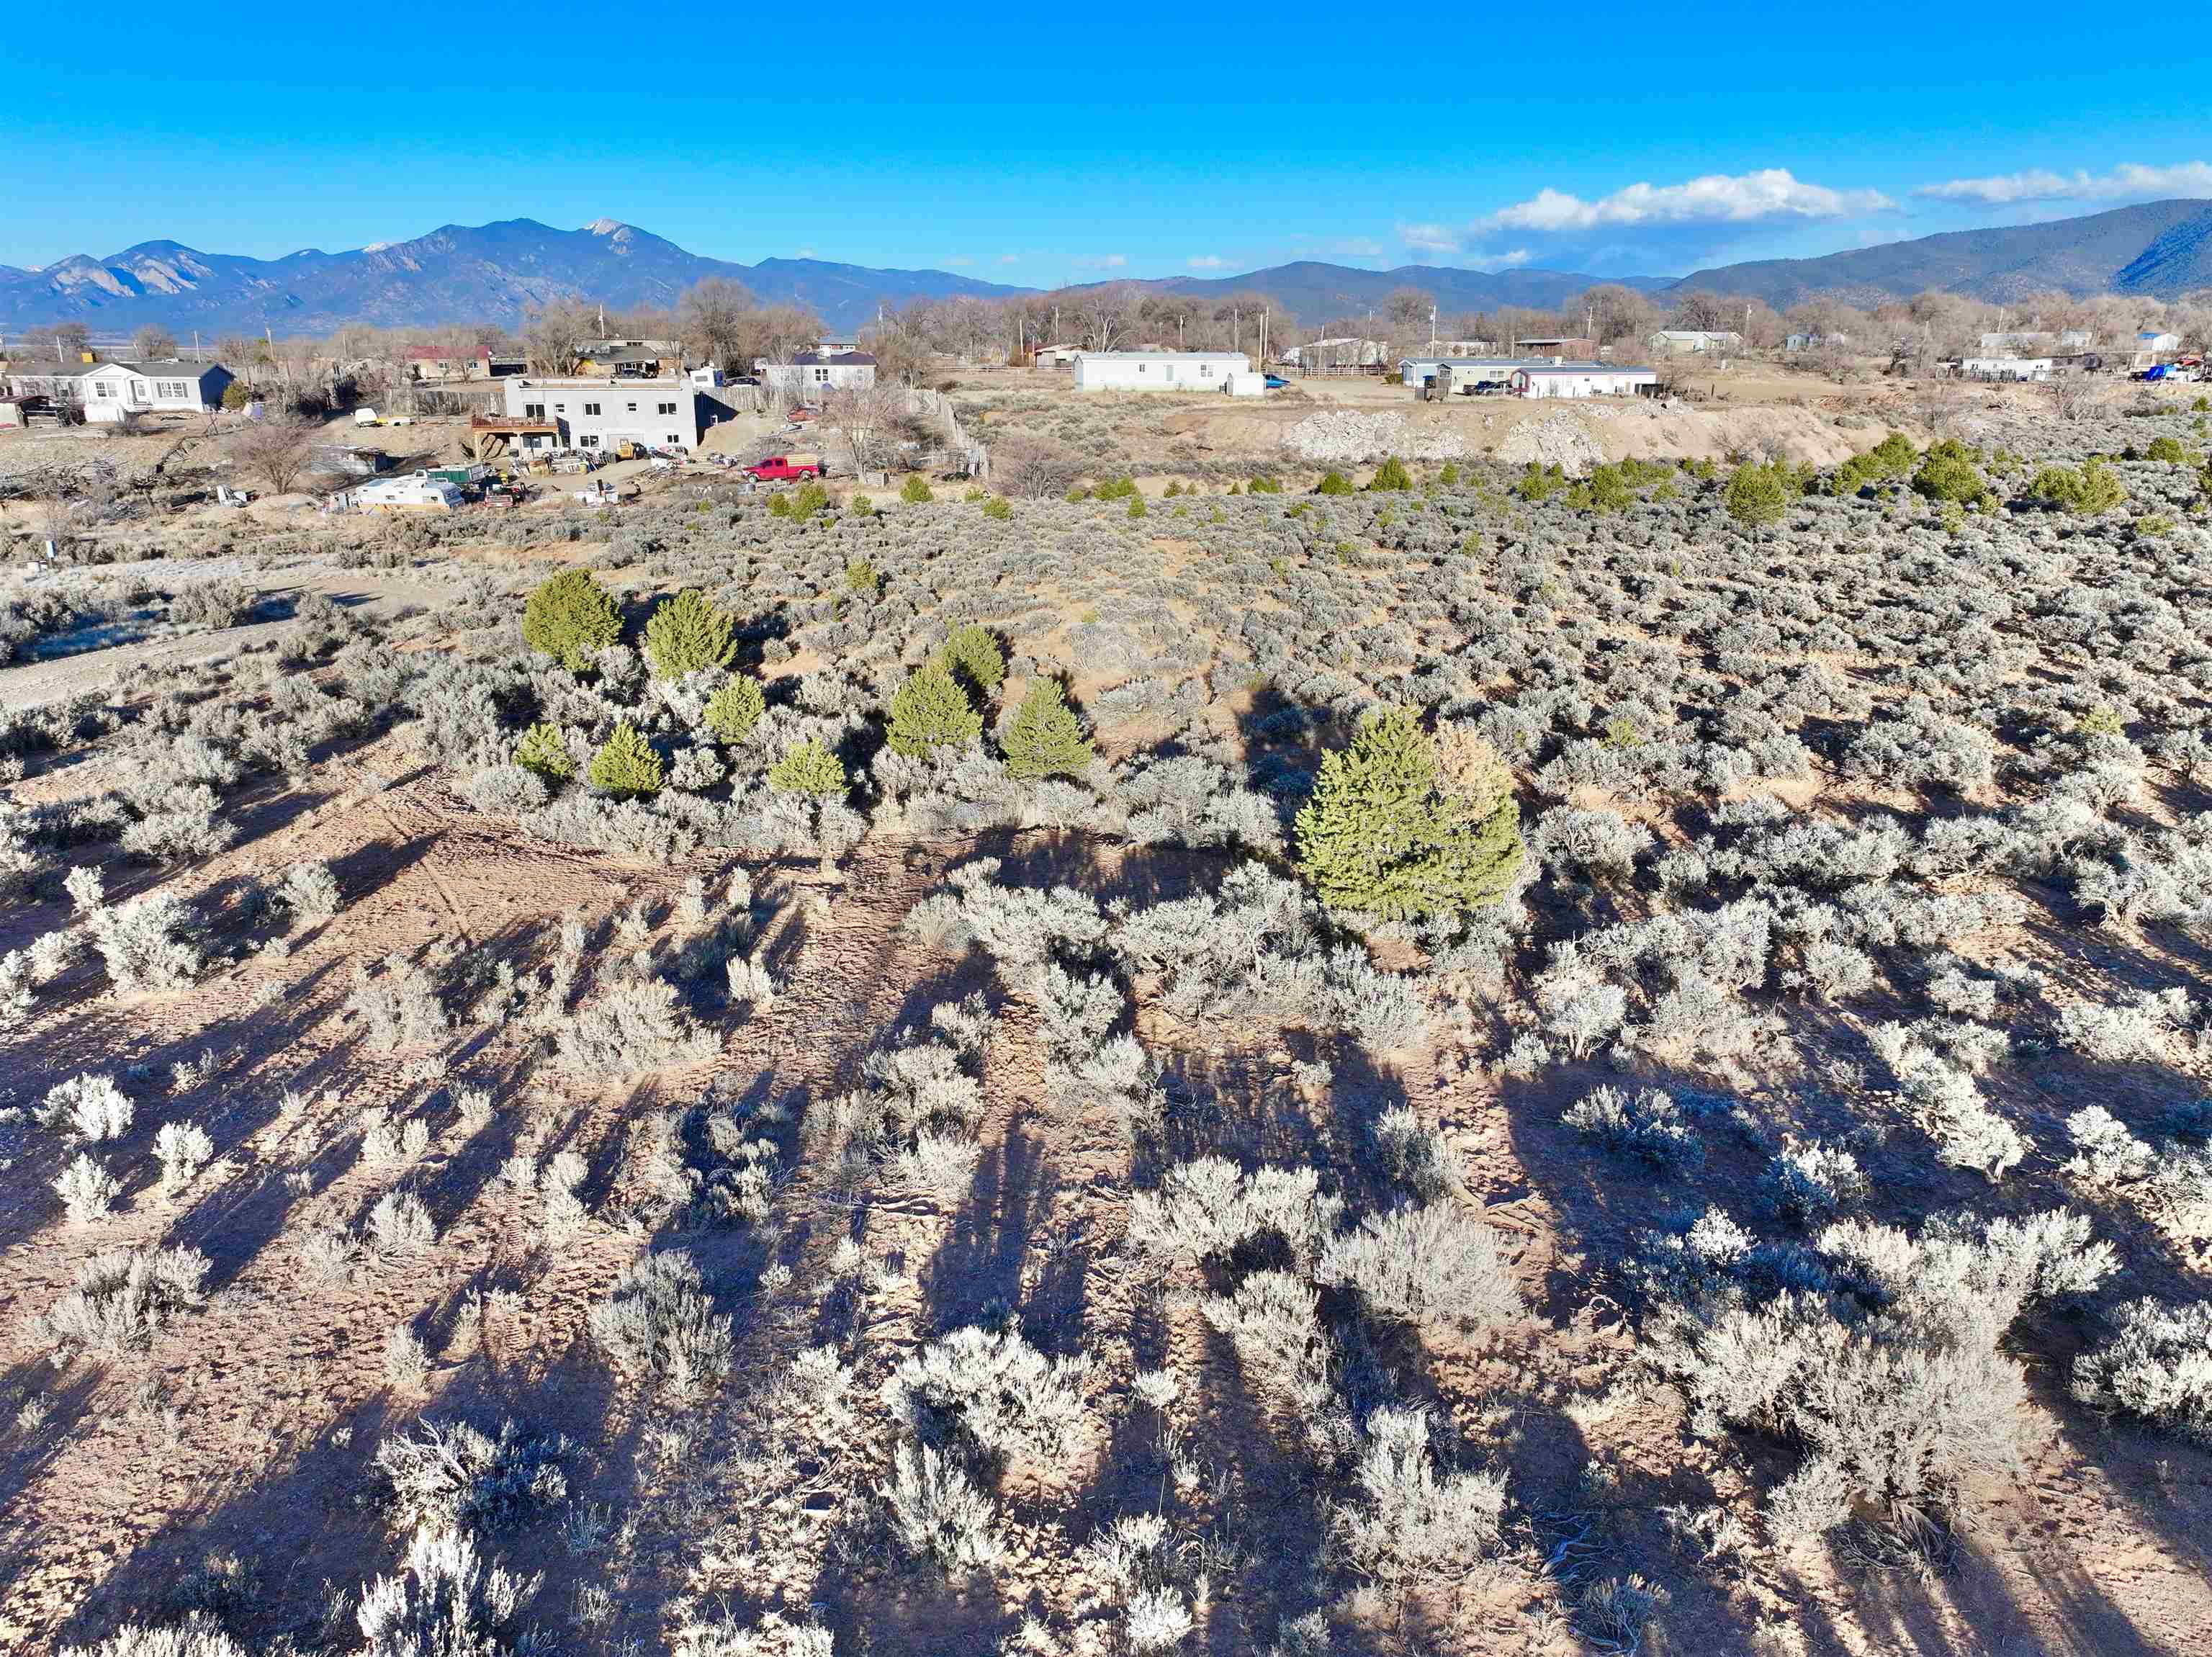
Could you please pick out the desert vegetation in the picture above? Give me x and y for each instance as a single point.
(1439, 1058)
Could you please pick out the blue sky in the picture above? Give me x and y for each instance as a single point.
(1145, 142)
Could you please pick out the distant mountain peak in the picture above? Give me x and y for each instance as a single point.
(606, 227)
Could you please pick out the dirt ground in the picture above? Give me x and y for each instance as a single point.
(226, 1465)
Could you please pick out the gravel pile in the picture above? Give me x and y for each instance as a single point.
(1556, 440)
(1340, 435)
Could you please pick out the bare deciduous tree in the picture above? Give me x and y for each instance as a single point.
(154, 344)
(865, 416)
(2073, 396)
(276, 450)
(711, 319)
(554, 335)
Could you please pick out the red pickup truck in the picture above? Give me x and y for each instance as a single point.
(781, 468)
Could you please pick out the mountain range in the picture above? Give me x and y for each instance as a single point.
(494, 272)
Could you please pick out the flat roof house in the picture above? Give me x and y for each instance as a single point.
(116, 391)
(598, 416)
(1159, 371)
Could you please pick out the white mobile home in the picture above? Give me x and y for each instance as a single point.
(2005, 368)
(116, 391)
(1157, 371)
(1520, 376)
(1581, 380)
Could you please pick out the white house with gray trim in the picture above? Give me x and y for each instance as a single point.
(1159, 371)
(112, 391)
(597, 416)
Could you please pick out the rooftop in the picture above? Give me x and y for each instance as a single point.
(1166, 356)
(841, 360)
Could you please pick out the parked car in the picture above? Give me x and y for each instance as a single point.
(782, 468)
(1276, 382)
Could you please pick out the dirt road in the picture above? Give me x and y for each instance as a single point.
(380, 592)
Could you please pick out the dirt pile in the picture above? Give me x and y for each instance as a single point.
(1558, 439)
(1340, 435)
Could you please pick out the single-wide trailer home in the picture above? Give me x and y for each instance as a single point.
(1159, 371)
(1581, 380)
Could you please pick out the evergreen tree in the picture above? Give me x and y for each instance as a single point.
(1046, 738)
(915, 490)
(931, 711)
(1391, 475)
(626, 765)
(734, 709)
(1947, 473)
(1758, 496)
(686, 633)
(571, 618)
(542, 750)
(1383, 836)
(972, 653)
(1332, 483)
(810, 770)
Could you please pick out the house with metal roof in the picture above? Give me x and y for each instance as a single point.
(810, 375)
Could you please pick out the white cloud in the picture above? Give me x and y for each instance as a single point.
(1207, 262)
(804, 252)
(958, 263)
(1717, 198)
(1506, 261)
(2127, 182)
(1010, 258)
(1428, 238)
(1101, 262)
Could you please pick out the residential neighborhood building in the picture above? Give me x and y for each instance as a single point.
(599, 415)
(116, 391)
(2036, 342)
(2025, 368)
(1056, 356)
(1571, 347)
(1691, 342)
(59, 382)
(1437, 377)
(1322, 356)
(809, 375)
(1159, 371)
(2152, 347)
(841, 346)
(635, 358)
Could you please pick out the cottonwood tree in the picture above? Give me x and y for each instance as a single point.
(154, 344)
(1107, 314)
(553, 336)
(711, 318)
(1702, 311)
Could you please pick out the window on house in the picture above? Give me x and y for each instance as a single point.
(533, 411)
(103, 388)
(589, 440)
(1205, 371)
(591, 408)
(633, 408)
(560, 408)
(671, 438)
(667, 408)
